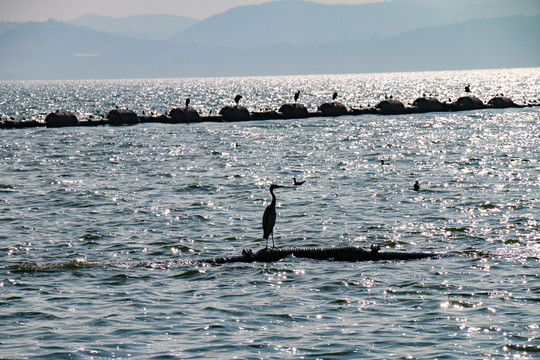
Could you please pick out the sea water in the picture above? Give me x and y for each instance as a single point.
(101, 227)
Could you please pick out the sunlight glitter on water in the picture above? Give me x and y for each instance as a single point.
(101, 226)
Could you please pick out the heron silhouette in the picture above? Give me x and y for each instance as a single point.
(269, 217)
(187, 102)
(237, 99)
(296, 96)
(334, 96)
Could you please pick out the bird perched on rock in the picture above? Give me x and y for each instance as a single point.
(237, 99)
(187, 102)
(334, 96)
(269, 217)
(468, 88)
(296, 96)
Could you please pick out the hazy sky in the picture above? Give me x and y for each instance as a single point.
(40, 10)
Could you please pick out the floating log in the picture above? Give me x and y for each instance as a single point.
(122, 117)
(333, 109)
(343, 253)
(61, 119)
(293, 111)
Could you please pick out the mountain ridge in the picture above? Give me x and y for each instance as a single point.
(142, 27)
(56, 50)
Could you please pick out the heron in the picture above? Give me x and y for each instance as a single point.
(334, 96)
(237, 99)
(297, 183)
(269, 217)
(468, 88)
(296, 96)
(187, 102)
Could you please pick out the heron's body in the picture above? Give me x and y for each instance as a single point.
(269, 217)
(334, 96)
(187, 103)
(296, 96)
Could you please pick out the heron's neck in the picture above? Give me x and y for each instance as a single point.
(273, 197)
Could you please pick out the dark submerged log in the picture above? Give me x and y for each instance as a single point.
(343, 253)
(235, 113)
(429, 104)
(391, 107)
(293, 111)
(122, 117)
(185, 115)
(61, 119)
(333, 109)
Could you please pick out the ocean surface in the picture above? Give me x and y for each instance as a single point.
(100, 228)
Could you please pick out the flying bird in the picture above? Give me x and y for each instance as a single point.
(269, 217)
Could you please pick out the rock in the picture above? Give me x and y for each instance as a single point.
(122, 117)
(501, 102)
(391, 107)
(429, 104)
(61, 119)
(184, 115)
(293, 111)
(235, 113)
(333, 109)
(469, 103)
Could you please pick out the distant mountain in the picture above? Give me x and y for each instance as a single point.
(7, 25)
(301, 22)
(143, 27)
(55, 50)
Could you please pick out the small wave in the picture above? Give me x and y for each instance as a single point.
(527, 348)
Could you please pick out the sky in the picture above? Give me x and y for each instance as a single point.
(63, 10)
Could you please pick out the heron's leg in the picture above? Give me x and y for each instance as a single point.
(267, 243)
(273, 245)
